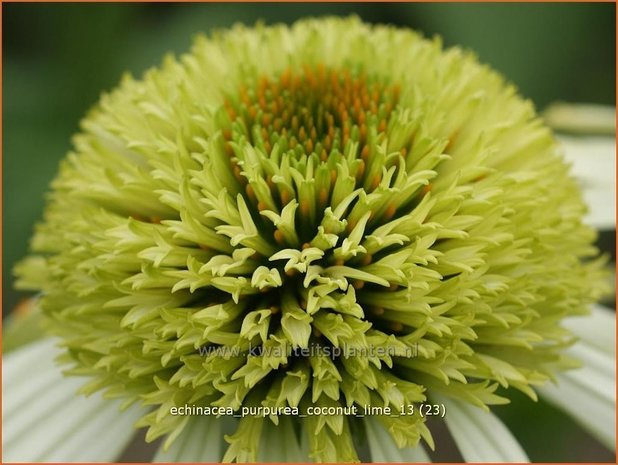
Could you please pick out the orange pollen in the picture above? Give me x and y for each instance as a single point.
(279, 237)
(311, 106)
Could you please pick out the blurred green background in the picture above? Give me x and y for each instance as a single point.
(58, 58)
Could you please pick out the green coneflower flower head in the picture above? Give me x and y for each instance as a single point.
(325, 215)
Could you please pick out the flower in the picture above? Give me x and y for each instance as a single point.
(326, 216)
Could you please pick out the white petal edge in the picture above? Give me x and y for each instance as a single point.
(480, 435)
(588, 393)
(200, 441)
(45, 420)
(384, 449)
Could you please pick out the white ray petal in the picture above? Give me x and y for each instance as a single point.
(591, 405)
(105, 434)
(588, 393)
(479, 435)
(44, 419)
(200, 441)
(20, 361)
(594, 166)
(384, 449)
(15, 399)
(597, 330)
(280, 444)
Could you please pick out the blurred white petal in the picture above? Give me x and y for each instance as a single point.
(199, 442)
(383, 448)
(45, 420)
(594, 167)
(479, 435)
(581, 118)
(588, 393)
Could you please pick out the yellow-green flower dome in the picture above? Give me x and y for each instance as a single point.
(329, 214)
